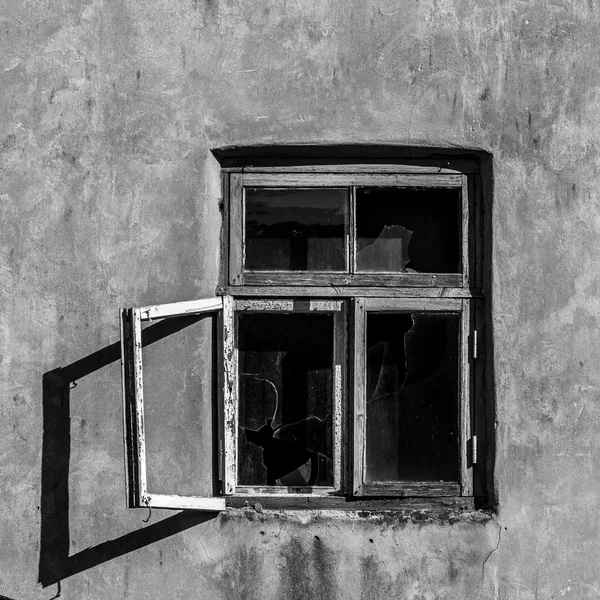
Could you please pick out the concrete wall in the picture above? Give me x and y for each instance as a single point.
(109, 198)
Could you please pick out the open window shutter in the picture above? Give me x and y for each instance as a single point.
(138, 494)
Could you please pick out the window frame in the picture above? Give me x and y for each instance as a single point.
(464, 485)
(419, 290)
(352, 295)
(232, 308)
(327, 177)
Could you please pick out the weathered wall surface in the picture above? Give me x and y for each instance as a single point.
(109, 198)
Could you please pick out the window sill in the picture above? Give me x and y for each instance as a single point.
(259, 503)
(406, 514)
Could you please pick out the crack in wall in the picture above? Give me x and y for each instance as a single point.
(481, 581)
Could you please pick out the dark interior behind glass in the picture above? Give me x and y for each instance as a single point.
(412, 396)
(401, 230)
(286, 400)
(296, 229)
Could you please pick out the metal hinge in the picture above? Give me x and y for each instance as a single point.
(474, 344)
(474, 450)
(221, 457)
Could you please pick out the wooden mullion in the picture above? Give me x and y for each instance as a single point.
(465, 404)
(466, 230)
(359, 392)
(221, 383)
(236, 229)
(299, 180)
(223, 278)
(282, 490)
(140, 433)
(411, 488)
(312, 305)
(348, 292)
(340, 279)
(230, 398)
(129, 422)
(339, 396)
(351, 267)
(412, 304)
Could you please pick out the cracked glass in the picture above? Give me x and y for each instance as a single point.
(408, 230)
(285, 400)
(412, 383)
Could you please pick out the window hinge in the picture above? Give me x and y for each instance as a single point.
(220, 466)
(474, 344)
(474, 450)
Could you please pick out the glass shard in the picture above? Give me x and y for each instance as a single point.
(286, 399)
(408, 230)
(296, 229)
(412, 396)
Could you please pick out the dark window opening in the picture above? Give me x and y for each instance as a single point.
(285, 404)
(408, 230)
(412, 397)
(296, 230)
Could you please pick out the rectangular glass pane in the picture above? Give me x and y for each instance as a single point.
(286, 399)
(296, 229)
(179, 371)
(412, 396)
(408, 230)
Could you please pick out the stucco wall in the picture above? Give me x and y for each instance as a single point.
(109, 198)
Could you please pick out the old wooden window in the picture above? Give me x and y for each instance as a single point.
(350, 310)
(133, 341)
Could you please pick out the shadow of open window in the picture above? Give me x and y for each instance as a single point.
(55, 562)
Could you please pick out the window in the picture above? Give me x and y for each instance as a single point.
(349, 312)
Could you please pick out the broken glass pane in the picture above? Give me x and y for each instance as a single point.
(412, 396)
(408, 230)
(285, 380)
(296, 229)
